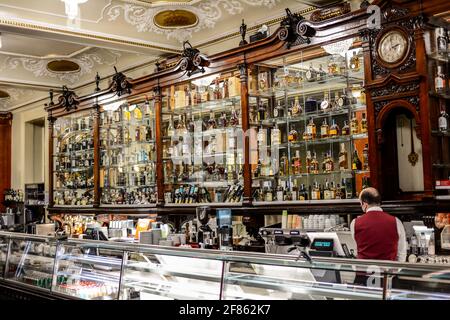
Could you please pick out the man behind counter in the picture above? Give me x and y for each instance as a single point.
(378, 235)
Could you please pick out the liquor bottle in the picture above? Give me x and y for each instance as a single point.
(278, 111)
(126, 136)
(117, 115)
(294, 191)
(349, 187)
(354, 62)
(308, 162)
(334, 129)
(275, 136)
(296, 109)
(280, 191)
(262, 81)
(332, 67)
(339, 192)
(343, 100)
(137, 134)
(327, 191)
(354, 124)
(440, 82)
(366, 157)
(315, 192)
(261, 136)
(311, 74)
(187, 96)
(325, 105)
(345, 129)
(226, 91)
(314, 164)
(217, 92)
(442, 41)
(261, 111)
(284, 165)
(356, 163)
(293, 135)
(297, 163)
(212, 124)
(343, 160)
(268, 194)
(310, 130)
(170, 127)
(365, 182)
(324, 129)
(332, 190)
(443, 120)
(223, 122)
(303, 193)
(137, 113)
(321, 74)
(328, 164)
(234, 119)
(363, 123)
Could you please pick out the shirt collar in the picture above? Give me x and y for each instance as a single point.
(374, 209)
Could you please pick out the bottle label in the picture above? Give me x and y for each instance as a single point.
(280, 196)
(323, 131)
(443, 124)
(439, 83)
(333, 132)
(354, 167)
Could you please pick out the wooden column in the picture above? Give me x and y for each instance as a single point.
(96, 132)
(243, 70)
(425, 133)
(5, 155)
(51, 122)
(159, 146)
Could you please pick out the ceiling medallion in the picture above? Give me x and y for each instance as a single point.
(170, 19)
(4, 94)
(61, 66)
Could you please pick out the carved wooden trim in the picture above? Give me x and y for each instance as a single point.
(289, 30)
(68, 100)
(192, 60)
(6, 116)
(120, 83)
(394, 88)
(385, 108)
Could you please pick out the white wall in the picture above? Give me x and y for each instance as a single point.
(29, 152)
(410, 177)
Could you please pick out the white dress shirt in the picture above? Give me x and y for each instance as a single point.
(402, 244)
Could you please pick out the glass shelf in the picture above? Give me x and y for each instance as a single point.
(72, 170)
(207, 106)
(72, 153)
(69, 134)
(440, 133)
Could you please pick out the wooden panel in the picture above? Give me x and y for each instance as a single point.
(5, 155)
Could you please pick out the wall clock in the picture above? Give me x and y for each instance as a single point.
(392, 47)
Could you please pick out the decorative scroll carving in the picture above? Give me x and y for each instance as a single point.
(97, 83)
(292, 32)
(415, 101)
(192, 60)
(329, 13)
(378, 106)
(68, 99)
(243, 32)
(393, 13)
(120, 83)
(394, 88)
(5, 116)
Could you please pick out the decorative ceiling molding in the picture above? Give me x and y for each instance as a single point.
(73, 54)
(86, 61)
(208, 13)
(15, 94)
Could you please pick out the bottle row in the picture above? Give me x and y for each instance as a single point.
(68, 125)
(317, 191)
(73, 144)
(122, 136)
(67, 163)
(73, 198)
(75, 180)
(262, 110)
(118, 178)
(212, 172)
(118, 157)
(141, 196)
(187, 194)
(126, 114)
(270, 167)
(13, 195)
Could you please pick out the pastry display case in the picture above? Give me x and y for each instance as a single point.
(87, 269)
(128, 154)
(308, 113)
(202, 141)
(73, 160)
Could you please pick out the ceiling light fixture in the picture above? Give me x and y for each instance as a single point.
(340, 47)
(72, 7)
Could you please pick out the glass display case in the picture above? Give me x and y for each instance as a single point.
(309, 119)
(31, 261)
(128, 154)
(73, 160)
(86, 269)
(3, 253)
(202, 151)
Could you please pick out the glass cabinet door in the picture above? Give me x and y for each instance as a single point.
(3, 254)
(86, 271)
(148, 276)
(73, 160)
(128, 154)
(202, 143)
(31, 262)
(308, 114)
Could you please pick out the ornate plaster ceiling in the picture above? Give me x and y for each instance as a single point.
(124, 33)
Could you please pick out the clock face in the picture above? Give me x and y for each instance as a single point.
(392, 47)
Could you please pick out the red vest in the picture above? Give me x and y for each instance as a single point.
(376, 236)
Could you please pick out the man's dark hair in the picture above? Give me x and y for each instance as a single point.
(371, 196)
